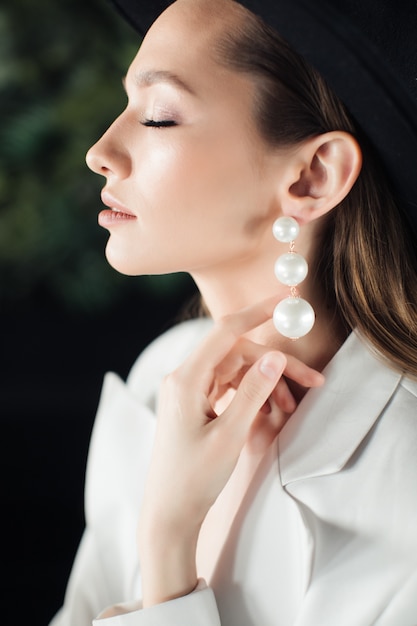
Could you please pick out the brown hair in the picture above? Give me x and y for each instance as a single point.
(367, 261)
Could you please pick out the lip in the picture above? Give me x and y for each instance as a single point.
(114, 204)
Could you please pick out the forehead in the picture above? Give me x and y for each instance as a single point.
(182, 47)
(192, 27)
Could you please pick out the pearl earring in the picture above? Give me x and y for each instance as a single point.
(293, 317)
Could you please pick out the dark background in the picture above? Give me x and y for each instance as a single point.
(65, 316)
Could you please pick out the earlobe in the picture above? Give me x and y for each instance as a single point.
(324, 170)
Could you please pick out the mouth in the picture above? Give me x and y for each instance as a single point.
(115, 205)
(116, 213)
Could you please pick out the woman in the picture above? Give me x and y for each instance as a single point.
(268, 493)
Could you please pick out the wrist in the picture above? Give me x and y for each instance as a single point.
(167, 553)
(168, 566)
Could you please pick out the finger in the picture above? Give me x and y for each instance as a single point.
(238, 360)
(202, 362)
(283, 397)
(266, 427)
(234, 366)
(302, 373)
(254, 390)
(245, 352)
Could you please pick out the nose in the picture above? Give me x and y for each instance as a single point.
(109, 155)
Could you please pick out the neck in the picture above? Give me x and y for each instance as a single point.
(226, 293)
(247, 280)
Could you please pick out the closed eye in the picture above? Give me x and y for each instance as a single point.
(159, 123)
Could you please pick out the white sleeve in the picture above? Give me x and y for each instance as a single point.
(195, 609)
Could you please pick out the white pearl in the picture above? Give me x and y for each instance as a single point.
(285, 229)
(291, 269)
(293, 317)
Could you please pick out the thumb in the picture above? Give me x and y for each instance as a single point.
(254, 390)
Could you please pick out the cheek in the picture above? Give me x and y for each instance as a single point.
(161, 175)
(195, 196)
(197, 175)
(156, 166)
(211, 162)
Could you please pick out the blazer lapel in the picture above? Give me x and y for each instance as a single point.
(332, 421)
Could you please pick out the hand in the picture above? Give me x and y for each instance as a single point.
(196, 448)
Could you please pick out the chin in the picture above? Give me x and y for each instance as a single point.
(121, 262)
(131, 265)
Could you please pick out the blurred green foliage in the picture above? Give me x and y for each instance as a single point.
(61, 65)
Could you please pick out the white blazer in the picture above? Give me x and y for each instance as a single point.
(321, 531)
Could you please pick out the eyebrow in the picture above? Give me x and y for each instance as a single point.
(147, 78)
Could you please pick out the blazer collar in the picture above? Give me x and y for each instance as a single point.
(330, 422)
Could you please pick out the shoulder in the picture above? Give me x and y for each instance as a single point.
(164, 355)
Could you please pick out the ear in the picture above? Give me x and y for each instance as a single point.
(321, 173)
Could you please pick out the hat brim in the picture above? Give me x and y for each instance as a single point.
(379, 102)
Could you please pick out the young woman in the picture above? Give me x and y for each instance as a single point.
(277, 484)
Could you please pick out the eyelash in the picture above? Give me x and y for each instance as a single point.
(159, 123)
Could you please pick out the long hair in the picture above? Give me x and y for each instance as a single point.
(367, 258)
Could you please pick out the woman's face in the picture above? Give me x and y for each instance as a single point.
(189, 182)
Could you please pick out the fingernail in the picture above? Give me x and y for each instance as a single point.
(272, 367)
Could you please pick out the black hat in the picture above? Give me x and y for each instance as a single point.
(367, 52)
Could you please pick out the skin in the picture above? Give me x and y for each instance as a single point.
(201, 196)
